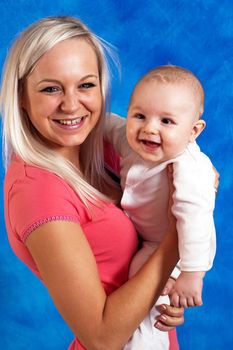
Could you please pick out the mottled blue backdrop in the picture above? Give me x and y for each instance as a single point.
(195, 34)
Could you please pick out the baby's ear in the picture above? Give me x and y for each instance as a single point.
(198, 127)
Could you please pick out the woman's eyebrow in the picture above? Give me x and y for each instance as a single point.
(51, 80)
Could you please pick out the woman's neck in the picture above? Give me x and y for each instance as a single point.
(72, 155)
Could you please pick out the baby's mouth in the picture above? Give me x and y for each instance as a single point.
(150, 143)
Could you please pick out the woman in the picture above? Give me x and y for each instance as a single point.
(71, 234)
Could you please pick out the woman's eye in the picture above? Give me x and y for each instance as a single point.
(87, 85)
(167, 121)
(50, 89)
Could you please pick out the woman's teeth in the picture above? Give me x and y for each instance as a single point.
(70, 122)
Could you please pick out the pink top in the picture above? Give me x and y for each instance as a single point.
(34, 196)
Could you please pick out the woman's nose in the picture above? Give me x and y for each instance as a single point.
(70, 103)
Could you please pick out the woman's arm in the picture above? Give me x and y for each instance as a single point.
(68, 268)
(115, 134)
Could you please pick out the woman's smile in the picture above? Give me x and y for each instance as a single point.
(70, 124)
(62, 96)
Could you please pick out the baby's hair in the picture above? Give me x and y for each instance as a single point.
(175, 74)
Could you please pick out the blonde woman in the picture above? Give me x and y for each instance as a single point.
(60, 205)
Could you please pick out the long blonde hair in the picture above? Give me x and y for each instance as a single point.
(19, 136)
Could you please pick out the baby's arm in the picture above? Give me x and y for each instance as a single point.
(187, 289)
(194, 198)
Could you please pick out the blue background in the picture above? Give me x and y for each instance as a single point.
(195, 34)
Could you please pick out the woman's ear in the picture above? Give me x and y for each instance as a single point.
(198, 127)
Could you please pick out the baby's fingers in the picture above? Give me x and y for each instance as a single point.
(198, 301)
(191, 302)
(175, 299)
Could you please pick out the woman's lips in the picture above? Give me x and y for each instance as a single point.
(70, 124)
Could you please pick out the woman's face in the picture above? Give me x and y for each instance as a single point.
(62, 95)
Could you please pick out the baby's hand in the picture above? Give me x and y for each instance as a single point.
(168, 287)
(187, 290)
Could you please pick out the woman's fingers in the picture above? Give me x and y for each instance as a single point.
(170, 317)
(166, 323)
(171, 190)
(217, 175)
(162, 327)
(170, 310)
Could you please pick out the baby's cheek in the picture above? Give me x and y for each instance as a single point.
(175, 146)
(130, 134)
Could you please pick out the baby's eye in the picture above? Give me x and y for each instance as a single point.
(167, 121)
(139, 116)
(87, 85)
(50, 89)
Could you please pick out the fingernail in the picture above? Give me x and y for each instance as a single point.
(163, 318)
(164, 307)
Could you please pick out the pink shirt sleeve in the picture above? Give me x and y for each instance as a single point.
(37, 197)
(34, 196)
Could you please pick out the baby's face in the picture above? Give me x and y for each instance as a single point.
(160, 121)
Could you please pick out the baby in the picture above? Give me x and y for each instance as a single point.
(162, 125)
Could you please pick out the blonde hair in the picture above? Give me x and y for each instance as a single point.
(21, 138)
(175, 74)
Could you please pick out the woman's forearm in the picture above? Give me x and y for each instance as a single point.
(69, 270)
(138, 295)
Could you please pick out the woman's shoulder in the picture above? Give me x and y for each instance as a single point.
(33, 195)
(39, 190)
(33, 177)
(19, 169)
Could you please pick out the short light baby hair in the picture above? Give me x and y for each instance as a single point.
(178, 75)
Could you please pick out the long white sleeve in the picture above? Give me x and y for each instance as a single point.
(194, 200)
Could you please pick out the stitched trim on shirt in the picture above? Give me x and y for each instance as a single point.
(44, 221)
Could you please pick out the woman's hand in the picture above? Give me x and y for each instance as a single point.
(217, 175)
(171, 187)
(169, 318)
